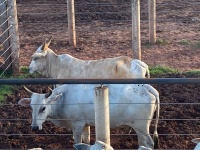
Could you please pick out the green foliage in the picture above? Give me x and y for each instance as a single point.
(159, 70)
(197, 44)
(185, 42)
(162, 41)
(193, 73)
(5, 90)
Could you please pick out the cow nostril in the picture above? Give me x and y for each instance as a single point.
(35, 128)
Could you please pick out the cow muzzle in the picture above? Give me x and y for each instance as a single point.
(35, 128)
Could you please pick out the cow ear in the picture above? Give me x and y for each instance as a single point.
(54, 98)
(81, 146)
(46, 44)
(25, 102)
(196, 140)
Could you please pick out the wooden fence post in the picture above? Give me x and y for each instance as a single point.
(136, 42)
(102, 115)
(4, 38)
(152, 21)
(14, 40)
(71, 22)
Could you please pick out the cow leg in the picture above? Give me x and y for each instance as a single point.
(77, 132)
(86, 134)
(144, 139)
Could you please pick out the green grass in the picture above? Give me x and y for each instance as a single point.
(193, 73)
(197, 44)
(5, 90)
(159, 70)
(162, 41)
(185, 42)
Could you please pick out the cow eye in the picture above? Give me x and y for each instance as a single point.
(103, 147)
(42, 110)
(35, 59)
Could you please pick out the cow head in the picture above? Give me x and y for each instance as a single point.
(40, 105)
(38, 62)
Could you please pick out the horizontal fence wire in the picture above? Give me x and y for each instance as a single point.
(171, 119)
(114, 104)
(128, 134)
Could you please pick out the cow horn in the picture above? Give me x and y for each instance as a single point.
(46, 43)
(48, 94)
(29, 91)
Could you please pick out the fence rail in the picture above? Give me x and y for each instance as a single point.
(102, 81)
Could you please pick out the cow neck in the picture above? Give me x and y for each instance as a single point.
(53, 64)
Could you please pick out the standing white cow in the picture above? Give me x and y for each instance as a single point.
(49, 64)
(73, 105)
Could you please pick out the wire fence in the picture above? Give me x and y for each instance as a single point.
(106, 25)
(179, 119)
(8, 36)
(103, 25)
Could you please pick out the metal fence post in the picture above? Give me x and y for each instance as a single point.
(14, 41)
(102, 115)
(136, 42)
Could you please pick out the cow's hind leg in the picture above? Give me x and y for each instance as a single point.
(144, 138)
(86, 134)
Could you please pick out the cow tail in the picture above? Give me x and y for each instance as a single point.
(155, 135)
(148, 72)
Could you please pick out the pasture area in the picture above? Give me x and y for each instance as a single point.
(104, 30)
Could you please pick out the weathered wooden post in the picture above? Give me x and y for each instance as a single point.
(152, 21)
(71, 22)
(4, 38)
(102, 115)
(136, 42)
(14, 33)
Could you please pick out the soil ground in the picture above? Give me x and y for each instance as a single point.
(177, 47)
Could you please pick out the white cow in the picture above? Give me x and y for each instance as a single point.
(99, 145)
(134, 106)
(197, 141)
(49, 64)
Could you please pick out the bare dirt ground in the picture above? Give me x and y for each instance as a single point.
(178, 47)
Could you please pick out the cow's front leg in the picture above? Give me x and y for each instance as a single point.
(77, 130)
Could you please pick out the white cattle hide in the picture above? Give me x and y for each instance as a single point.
(133, 105)
(99, 145)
